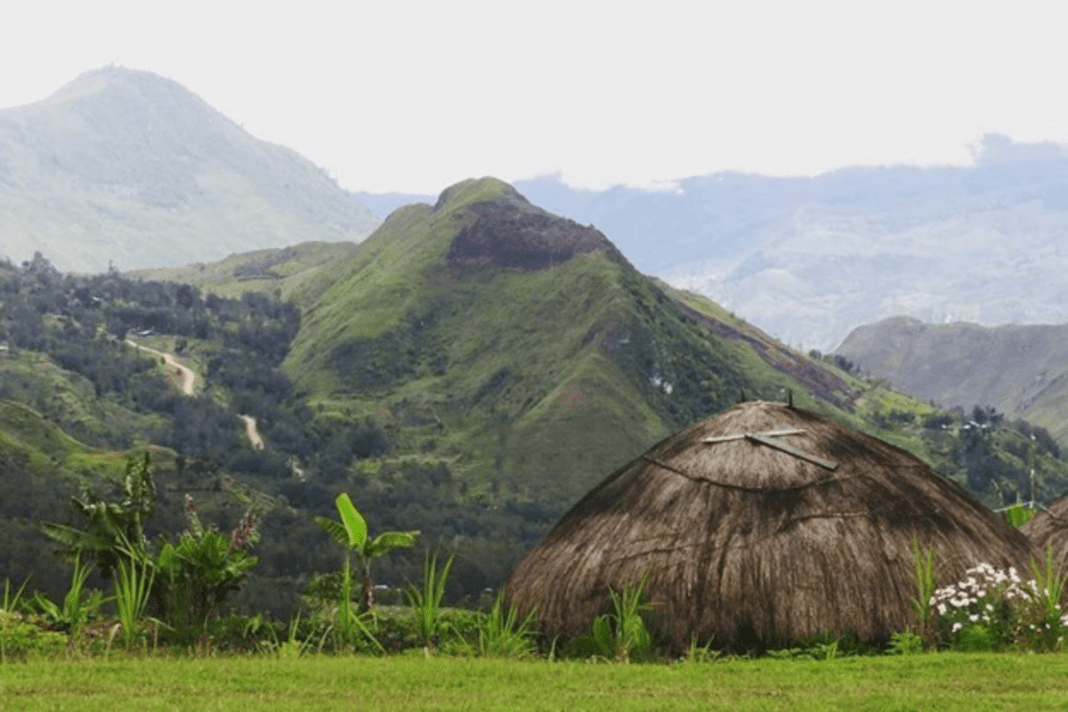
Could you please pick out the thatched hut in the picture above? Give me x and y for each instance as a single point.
(1050, 528)
(762, 525)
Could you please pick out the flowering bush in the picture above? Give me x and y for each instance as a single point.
(992, 610)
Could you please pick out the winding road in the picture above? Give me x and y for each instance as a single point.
(187, 381)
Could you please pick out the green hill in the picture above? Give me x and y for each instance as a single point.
(522, 349)
(470, 370)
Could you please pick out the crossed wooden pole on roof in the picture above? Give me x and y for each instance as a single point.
(767, 438)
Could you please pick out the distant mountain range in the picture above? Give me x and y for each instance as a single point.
(126, 168)
(808, 259)
(1021, 370)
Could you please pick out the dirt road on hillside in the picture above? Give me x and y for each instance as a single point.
(186, 378)
(253, 433)
(187, 381)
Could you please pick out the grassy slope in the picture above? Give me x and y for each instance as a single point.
(286, 273)
(542, 380)
(68, 399)
(534, 385)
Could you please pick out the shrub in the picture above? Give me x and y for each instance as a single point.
(994, 610)
(24, 637)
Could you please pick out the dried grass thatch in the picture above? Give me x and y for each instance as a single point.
(1050, 528)
(752, 545)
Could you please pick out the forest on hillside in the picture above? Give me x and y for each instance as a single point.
(67, 356)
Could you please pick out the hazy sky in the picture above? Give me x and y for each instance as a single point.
(413, 96)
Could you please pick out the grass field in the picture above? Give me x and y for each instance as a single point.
(944, 681)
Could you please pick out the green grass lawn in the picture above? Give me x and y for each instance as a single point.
(944, 681)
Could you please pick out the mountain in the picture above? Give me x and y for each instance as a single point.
(1019, 370)
(807, 259)
(470, 370)
(518, 346)
(127, 168)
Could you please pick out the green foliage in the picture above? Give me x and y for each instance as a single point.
(426, 604)
(78, 604)
(1019, 514)
(22, 638)
(993, 610)
(907, 642)
(12, 601)
(350, 625)
(620, 636)
(1042, 622)
(503, 634)
(923, 565)
(351, 533)
(194, 576)
(111, 526)
(133, 586)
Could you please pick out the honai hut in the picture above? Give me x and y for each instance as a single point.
(1050, 528)
(760, 526)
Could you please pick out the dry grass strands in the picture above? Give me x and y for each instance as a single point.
(753, 544)
(1050, 528)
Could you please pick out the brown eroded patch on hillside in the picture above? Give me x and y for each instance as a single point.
(823, 384)
(511, 233)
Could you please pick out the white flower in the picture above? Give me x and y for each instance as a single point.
(973, 617)
(942, 609)
(957, 626)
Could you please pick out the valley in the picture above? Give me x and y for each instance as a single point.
(470, 370)
(474, 362)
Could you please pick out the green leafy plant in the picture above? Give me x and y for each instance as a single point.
(620, 636)
(426, 604)
(133, 586)
(12, 601)
(350, 623)
(502, 634)
(351, 533)
(1019, 514)
(976, 613)
(1041, 621)
(701, 653)
(923, 565)
(194, 576)
(21, 637)
(78, 603)
(111, 527)
(907, 642)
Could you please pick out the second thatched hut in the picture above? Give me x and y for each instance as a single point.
(759, 526)
(1049, 528)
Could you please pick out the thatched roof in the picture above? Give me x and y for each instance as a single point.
(1050, 528)
(752, 544)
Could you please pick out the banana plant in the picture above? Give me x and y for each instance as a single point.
(351, 533)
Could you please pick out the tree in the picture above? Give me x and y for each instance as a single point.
(111, 527)
(351, 533)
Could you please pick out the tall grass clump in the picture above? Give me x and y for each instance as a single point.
(1042, 621)
(502, 634)
(133, 588)
(12, 601)
(620, 636)
(426, 604)
(78, 603)
(923, 564)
